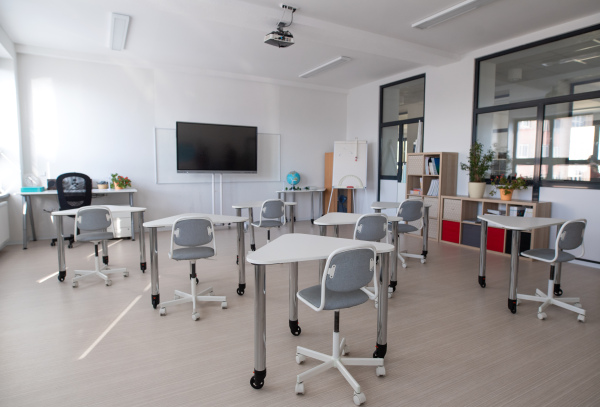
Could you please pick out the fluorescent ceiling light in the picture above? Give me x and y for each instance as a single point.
(327, 65)
(449, 13)
(118, 31)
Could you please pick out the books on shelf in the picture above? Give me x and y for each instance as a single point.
(434, 187)
(432, 166)
(517, 211)
(496, 212)
(415, 191)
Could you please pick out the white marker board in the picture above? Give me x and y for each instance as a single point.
(350, 164)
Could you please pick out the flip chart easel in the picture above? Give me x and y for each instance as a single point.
(349, 166)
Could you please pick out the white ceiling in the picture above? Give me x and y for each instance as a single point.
(226, 36)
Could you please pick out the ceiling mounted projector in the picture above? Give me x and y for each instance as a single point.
(281, 38)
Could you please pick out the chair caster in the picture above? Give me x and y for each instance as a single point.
(108, 283)
(163, 311)
(224, 305)
(403, 266)
(577, 304)
(581, 318)
(345, 350)
(300, 358)
(542, 315)
(75, 284)
(126, 274)
(300, 388)
(195, 316)
(380, 371)
(359, 398)
(423, 261)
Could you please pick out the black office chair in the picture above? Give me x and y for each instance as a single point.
(74, 191)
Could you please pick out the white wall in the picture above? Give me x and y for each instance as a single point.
(448, 116)
(100, 119)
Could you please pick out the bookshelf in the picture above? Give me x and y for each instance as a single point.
(459, 224)
(429, 176)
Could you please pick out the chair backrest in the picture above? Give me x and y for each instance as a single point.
(74, 190)
(192, 231)
(347, 269)
(272, 210)
(93, 218)
(570, 236)
(371, 227)
(411, 210)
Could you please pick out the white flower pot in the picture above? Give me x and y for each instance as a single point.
(476, 189)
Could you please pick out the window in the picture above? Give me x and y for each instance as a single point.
(538, 108)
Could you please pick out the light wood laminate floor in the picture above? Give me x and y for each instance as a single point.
(450, 342)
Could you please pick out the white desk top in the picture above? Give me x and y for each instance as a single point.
(94, 191)
(295, 247)
(317, 189)
(168, 222)
(113, 208)
(344, 218)
(256, 204)
(520, 222)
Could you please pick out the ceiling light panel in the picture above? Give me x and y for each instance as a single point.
(118, 31)
(327, 65)
(449, 13)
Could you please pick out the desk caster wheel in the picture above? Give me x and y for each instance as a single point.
(61, 276)
(300, 388)
(482, 281)
(557, 291)
(512, 306)
(294, 328)
(380, 371)
(380, 351)
(237, 260)
(52, 244)
(258, 380)
(241, 288)
(155, 300)
(143, 267)
(359, 398)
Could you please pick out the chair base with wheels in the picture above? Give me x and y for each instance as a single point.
(102, 271)
(404, 253)
(338, 361)
(205, 295)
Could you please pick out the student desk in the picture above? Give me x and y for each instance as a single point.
(291, 249)
(257, 204)
(320, 190)
(516, 224)
(26, 198)
(58, 215)
(168, 222)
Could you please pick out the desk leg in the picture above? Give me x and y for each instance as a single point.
(377, 210)
(132, 227)
(104, 252)
(322, 232)
(394, 259)
(320, 203)
(27, 211)
(557, 271)
(154, 267)
(257, 381)
(251, 220)
(382, 309)
(292, 218)
(514, 271)
(312, 208)
(241, 258)
(425, 231)
(482, 252)
(293, 306)
(60, 247)
(142, 239)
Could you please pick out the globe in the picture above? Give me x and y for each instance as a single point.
(293, 178)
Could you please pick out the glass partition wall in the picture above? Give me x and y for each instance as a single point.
(401, 109)
(538, 108)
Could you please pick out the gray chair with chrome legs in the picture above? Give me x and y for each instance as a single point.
(569, 237)
(347, 272)
(410, 210)
(91, 224)
(192, 238)
(372, 227)
(272, 215)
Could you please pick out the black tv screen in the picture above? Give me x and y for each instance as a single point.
(205, 147)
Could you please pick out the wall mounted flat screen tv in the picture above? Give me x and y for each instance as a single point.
(217, 148)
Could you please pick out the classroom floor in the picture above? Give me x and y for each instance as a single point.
(450, 342)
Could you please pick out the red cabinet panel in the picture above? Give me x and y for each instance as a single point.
(450, 231)
(495, 239)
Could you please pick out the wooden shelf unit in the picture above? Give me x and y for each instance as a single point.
(460, 226)
(418, 177)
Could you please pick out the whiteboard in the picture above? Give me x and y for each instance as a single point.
(269, 163)
(350, 164)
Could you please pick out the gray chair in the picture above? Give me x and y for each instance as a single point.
(569, 237)
(347, 272)
(192, 238)
(372, 227)
(411, 211)
(272, 215)
(91, 224)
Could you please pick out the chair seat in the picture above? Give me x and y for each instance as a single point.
(547, 255)
(93, 236)
(405, 228)
(192, 253)
(267, 224)
(335, 300)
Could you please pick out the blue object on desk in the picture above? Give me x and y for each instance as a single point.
(32, 189)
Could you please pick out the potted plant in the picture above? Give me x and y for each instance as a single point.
(122, 182)
(102, 185)
(507, 185)
(479, 164)
(113, 180)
